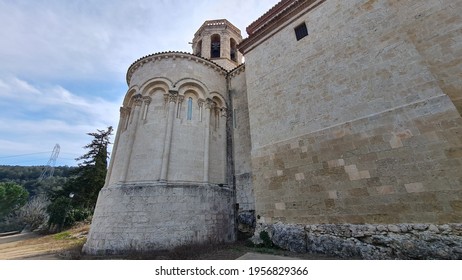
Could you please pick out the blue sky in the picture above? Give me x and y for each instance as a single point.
(63, 64)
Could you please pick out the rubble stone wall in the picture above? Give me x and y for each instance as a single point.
(369, 241)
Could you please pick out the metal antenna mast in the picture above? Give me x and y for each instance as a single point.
(49, 169)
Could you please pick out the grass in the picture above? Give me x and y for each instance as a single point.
(63, 235)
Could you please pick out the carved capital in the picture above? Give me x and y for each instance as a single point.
(137, 99)
(224, 112)
(172, 96)
(147, 99)
(200, 102)
(180, 98)
(124, 111)
(209, 104)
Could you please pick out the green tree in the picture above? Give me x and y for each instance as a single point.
(12, 197)
(58, 211)
(91, 173)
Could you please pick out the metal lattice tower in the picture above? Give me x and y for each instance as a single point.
(49, 169)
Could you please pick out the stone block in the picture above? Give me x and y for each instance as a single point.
(414, 187)
(384, 190)
(280, 206)
(299, 176)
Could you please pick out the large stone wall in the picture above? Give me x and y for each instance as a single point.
(147, 217)
(141, 140)
(368, 241)
(167, 183)
(241, 151)
(241, 141)
(354, 123)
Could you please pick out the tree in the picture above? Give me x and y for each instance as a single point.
(12, 197)
(58, 211)
(91, 173)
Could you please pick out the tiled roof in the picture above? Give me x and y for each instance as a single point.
(167, 54)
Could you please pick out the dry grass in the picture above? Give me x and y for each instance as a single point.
(68, 245)
(34, 246)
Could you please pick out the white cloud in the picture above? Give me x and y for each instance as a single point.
(63, 63)
(45, 116)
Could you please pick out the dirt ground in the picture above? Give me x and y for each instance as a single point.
(68, 244)
(42, 247)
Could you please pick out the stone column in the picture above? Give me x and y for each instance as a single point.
(147, 100)
(172, 97)
(223, 123)
(200, 102)
(206, 45)
(225, 46)
(124, 112)
(137, 100)
(179, 105)
(208, 108)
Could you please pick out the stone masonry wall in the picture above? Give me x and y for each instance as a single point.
(160, 217)
(369, 241)
(241, 142)
(241, 152)
(353, 123)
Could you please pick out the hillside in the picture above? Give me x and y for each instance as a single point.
(27, 176)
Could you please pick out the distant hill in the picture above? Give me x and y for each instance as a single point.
(28, 176)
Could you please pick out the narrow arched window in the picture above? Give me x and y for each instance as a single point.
(233, 50)
(199, 48)
(215, 46)
(189, 113)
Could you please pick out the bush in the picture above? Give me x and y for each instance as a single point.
(58, 212)
(79, 214)
(12, 197)
(266, 239)
(34, 214)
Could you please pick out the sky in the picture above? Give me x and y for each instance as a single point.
(63, 64)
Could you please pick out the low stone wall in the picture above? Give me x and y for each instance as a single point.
(153, 217)
(368, 241)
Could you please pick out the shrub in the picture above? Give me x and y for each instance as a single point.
(34, 214)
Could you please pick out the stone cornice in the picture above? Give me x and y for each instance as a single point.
(217, 22)
(269, 15)
(236, 71)
(279, 16)
(172, 55)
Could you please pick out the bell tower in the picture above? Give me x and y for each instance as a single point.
(217, 40)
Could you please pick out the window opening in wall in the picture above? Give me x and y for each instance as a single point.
(198, 51)
(301, 31)
(189, 113)
(199, 48)
(215, 46)
(233, 48)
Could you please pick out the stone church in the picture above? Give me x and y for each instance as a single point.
(340, 134)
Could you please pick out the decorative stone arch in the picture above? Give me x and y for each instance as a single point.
(218, 99)
(154, 84)
(191, 92)
(128, 97)
(188, 84)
